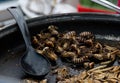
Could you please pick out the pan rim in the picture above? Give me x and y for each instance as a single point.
(60, 17)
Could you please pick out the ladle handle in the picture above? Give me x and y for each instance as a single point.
(18, 15)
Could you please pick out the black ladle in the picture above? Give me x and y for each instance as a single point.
(32, 63)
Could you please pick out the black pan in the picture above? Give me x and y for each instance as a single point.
(105, 27)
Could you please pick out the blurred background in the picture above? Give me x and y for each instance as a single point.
(36, 8)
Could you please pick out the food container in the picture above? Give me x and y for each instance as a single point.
(105, 27)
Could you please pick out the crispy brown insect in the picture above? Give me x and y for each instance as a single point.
(49, 53)
(112, 55)
(49, 43)
(87, 35)
(43, 81)
(109, 56)
(69, 35)
(43, 35)
(98, 46)
(88, 65)
(98, 56)
(53, 39)
(75, 48)
(89, 42)
(97, 68)
(64, 43)
(106, 62)
(85, 41)
(81, 39)
(109, 48)
(39, 51)
(62, 73)
(68, 54)
(118, 53)
(82, 59)
(53, 30)
(35, 41)
(59, 49)
(31, 81)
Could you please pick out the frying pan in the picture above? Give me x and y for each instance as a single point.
(105, 27)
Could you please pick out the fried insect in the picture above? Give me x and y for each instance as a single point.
(109, 48)
(82, 59)
(43, 81)
(68, 54)
(31, 81)
(35, 41)
(109, 56)
(53, 30)
(75, 48)
(39, 51)
(53, 39)
(80, 39)
(89, 42)
(97, 48)
(49, 53)
(43, 35)
(98, 56)
(59, 49)
(88, 65)
(69, 35)
(85, 41)
(97, 68)
(62, 73)
(65, 43)
(49, 43)
(87, 35)
(34, 81)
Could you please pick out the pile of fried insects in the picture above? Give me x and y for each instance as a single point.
(80, 50)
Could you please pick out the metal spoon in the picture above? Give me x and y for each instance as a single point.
(32, 63)
(107, 4)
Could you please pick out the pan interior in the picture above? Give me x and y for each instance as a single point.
(12, 45)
